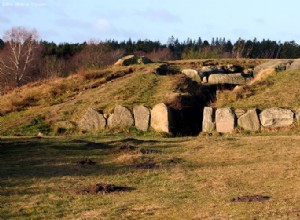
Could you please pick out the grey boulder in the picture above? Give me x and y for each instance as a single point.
(192, 74)
(225, 120)
(121, 118)
(141, 117)
(249, 121)
(276, 117)
(208, 124)
(233, 79)
(92, 121)
(161, 118)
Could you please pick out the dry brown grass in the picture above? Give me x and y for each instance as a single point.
(41, 179)
(277, 90)
(66, 98)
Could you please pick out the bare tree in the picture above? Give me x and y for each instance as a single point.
(238, 48)
(19, 53)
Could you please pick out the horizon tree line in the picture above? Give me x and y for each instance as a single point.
(24, 58)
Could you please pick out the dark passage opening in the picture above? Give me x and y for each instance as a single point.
(187, 110)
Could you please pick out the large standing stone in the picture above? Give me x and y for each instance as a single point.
(141, 117)
(92, 121)
(161, 119)
(208, 124)
(225, 120)
(192, 74)
(276, 117)
(233, 79)
(249, 121)
(121, 118)
(298, 115)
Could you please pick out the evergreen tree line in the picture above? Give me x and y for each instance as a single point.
(188, 49)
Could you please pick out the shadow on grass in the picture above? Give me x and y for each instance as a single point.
(46, 158)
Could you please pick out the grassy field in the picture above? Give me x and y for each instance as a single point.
(187, 177)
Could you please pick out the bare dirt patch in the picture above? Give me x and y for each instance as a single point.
(146, 165)
(103, 189)
(124, 148)
(175, 160)
(255, 198)
(86, 162)
(148, 151)
(130, 148)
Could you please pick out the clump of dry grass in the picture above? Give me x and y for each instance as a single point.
(129, 158)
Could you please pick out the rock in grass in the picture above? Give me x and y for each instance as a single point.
(141, 117)
(192, 74)
(298, 114)
(161, 119)
(225, 120)
(249, 121)
(132, 59)
(276, 117)
(232, 79)
(208, 124)
(92, 121)
(127, 60)
(121, 118)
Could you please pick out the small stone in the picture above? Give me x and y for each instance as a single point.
(40, 134)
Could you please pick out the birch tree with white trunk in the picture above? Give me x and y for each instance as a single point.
(21, 44)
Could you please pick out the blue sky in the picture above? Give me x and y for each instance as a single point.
(83, 20)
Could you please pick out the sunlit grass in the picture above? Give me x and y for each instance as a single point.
(195, 178)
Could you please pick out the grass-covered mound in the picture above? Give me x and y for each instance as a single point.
(281, 89)
(35, 107)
